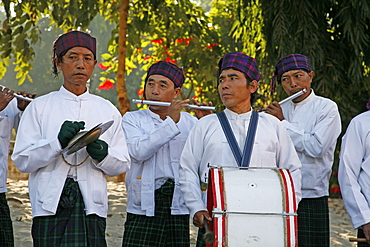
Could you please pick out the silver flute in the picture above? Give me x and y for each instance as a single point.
(160, 103)
(18, 95)
(22, 97)
(291, 97)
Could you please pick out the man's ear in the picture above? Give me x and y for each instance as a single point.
(253, 86)
(311, 74)
(177, 92)
(57, 62)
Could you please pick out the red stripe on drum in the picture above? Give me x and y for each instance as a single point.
(290, 207)
(217, 188)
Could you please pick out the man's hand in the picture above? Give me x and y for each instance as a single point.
(275, 110)
(22, 104)
(68, 131)
(366, 230)
(198, 219)
(201, 113)
(175, 109)
(6, 96)
(98, 150)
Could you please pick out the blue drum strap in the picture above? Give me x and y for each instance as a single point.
(248, 147)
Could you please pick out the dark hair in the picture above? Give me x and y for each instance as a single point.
(59, 58)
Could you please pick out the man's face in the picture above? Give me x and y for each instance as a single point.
(77, 66)
(296, 80)
(160, 88)
(234, 90)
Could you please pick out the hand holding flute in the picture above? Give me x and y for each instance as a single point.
(275, 109)
(6, 95)
(200, 109)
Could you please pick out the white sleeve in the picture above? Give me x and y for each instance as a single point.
(352, 162)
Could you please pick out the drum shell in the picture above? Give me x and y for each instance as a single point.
(252, 207)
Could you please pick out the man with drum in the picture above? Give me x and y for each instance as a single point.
(68, 191)
(313, 123)
(156, 213)
(10, 113)
(207, 143)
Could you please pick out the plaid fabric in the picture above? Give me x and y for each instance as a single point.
(360, 234)
(6, 228)
(72, 39)
(287, 63)
(169, 70)
(162, 230)
(69, 226)
(200, 241)
(313, 222)
(241, 62)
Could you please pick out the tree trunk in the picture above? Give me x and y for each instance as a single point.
(123, 101)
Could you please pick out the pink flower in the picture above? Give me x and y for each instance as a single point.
(108, 84)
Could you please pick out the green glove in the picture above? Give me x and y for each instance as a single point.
(68, 131)
(97, 149)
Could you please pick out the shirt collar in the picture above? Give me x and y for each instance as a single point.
(71, 96)
(232, 115)
(154, 115)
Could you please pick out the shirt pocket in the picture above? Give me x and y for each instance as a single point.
(268, 159)
(6, 128)
(43, 179)
(226, 154)
(98, 186)
(176, 147)
(135, 192)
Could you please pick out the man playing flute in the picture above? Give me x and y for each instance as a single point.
(10, 112)
(207, 142)
(313, 123)
(68, 192)
(156, 213)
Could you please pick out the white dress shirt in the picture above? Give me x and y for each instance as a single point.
(9, 119)
(37, 150)
(207, 144)
(354, 169)
(314, 126)
(155, 147)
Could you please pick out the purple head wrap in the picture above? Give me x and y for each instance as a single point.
(368, 105)
(241, 62)
(169, 70)
(72, 39)
(287, 63)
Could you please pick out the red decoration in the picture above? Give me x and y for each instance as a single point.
(100, 65)
(140, 92)
(108, 84)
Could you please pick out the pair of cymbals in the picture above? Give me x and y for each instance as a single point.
(83, 138)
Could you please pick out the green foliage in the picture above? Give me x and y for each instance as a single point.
(176, 32)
